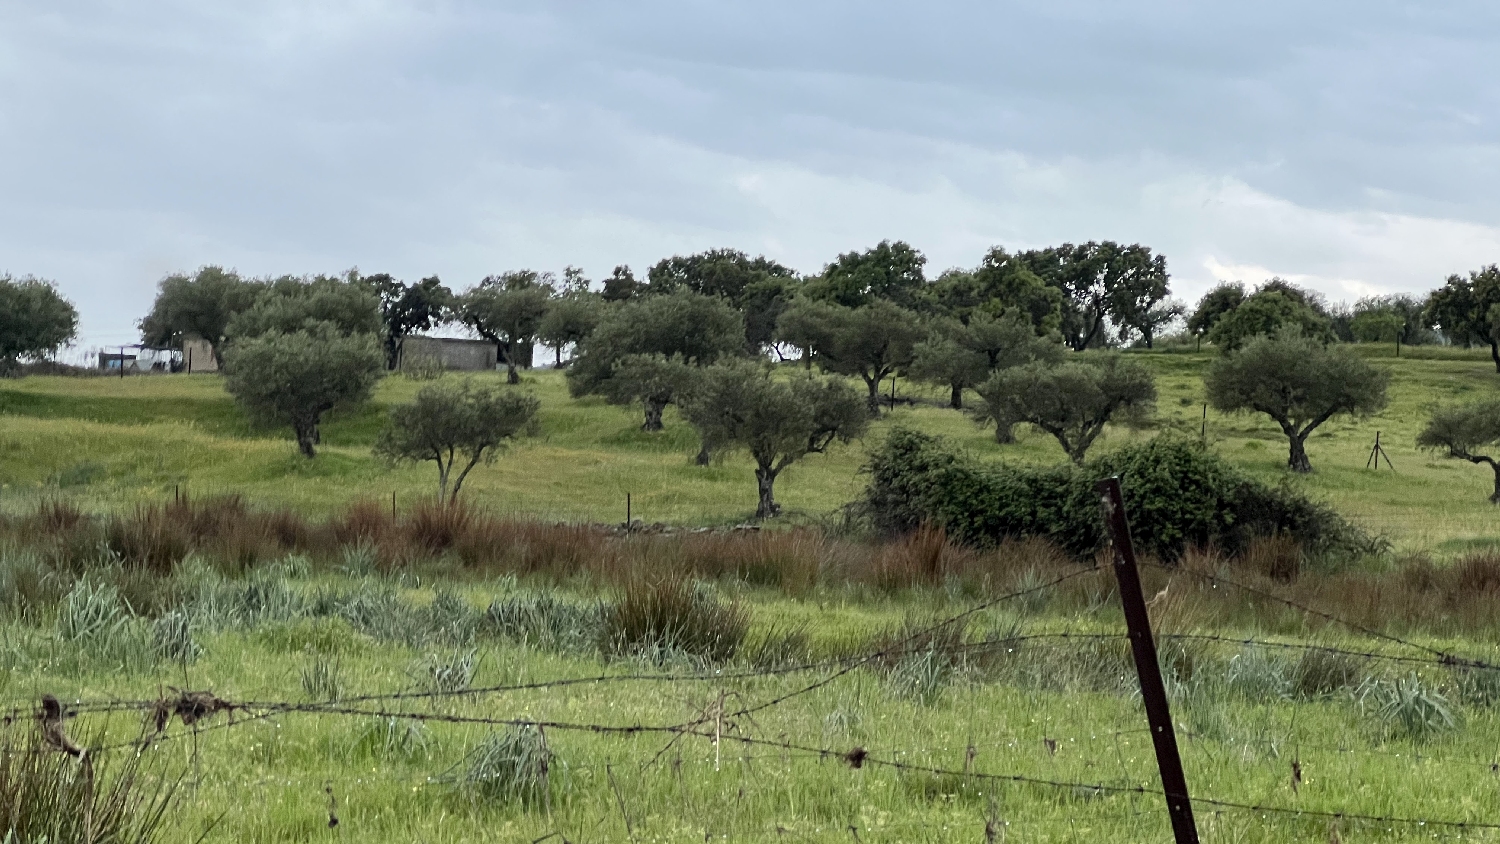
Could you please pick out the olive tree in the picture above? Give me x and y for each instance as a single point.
(1462, 431)
(455, 424)
(645, 337)
(201, 304)
(294, 378)
(571, 317)
(961, 357)
(1072, 401)
(1298, 381)
(291, 304)
(34, 319)
(508, 310)
(870, 341)
(744, 405)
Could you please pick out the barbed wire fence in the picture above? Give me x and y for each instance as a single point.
(176, 715)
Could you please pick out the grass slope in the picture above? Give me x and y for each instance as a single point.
(111, 442)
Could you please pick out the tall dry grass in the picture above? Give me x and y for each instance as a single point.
(227, 533)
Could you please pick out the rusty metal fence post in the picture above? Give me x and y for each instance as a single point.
(1143, 646)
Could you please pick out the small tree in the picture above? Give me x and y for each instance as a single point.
(1222, 299)
(944, 359)
(508, 310)
(1299, 382)
(1071, 401)
(452, 424)
(570, 319)
(680, 327)
(871, 341)
(1462, 307)
(744, 405)
(201, 304)
(1462, 430)
(809, 325)
(34, 320)
(653, 380)
(294, 378)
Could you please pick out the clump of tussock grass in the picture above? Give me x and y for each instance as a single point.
(446, 674)
(48, 797)
(172, 638)
(392, 738)
(149, 537)
(547, 622)
(672, 614)
(1257, 675)
(514, 766)
(323, 678)
(1278, 558)
(27, 584)
(1322, 674)
(91, 612)
(776, 647)
(450, 619)
(921, 658)
(1408, 707)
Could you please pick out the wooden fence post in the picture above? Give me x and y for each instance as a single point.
(1143, 646)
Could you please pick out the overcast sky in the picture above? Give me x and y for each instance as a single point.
(1351, 146)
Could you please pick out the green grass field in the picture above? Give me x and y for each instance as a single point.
(1370, 736)
(113, 442)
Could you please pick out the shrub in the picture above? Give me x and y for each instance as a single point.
(1177, 495)
(46, 796)
(668, 614)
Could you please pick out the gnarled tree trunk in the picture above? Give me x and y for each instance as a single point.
(1297, 459)
(956, 397)
(765, 483)
(654, 410)
(307, 437)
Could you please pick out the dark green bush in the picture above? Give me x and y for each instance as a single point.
(1177, 495)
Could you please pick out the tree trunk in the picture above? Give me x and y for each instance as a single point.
(307, 437)
(873, 403)
(807, 358)
(653, 415)
(705, 455)
(1495, 497)
(511, 376)
(1297, 460)
(1005, 433)
(1495, 354)
(765, 482)
(956, 398)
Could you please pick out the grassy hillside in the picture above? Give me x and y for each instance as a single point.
(111, 442)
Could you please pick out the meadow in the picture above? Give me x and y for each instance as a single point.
(396, 677)
(111, 443)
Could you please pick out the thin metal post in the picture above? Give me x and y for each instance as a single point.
(1203, 431)
(627, 513)
(1143, 646)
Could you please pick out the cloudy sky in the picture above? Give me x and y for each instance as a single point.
(1352, 146)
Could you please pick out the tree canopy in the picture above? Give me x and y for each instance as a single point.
(290, 304)
(757, 287)
(295, 378)
(35, 320)
(1462, 309)
(201, 304)
(1073, 400)
(1274, 304)
(681, 326)
(744, 405)
(1299, 381)
(454, 424)
(570, 318)
(890, 271)
(406, 309)
(961, 356)
(1223, 298)
(1103, 285)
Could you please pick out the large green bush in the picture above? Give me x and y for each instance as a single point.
(1177, 494)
